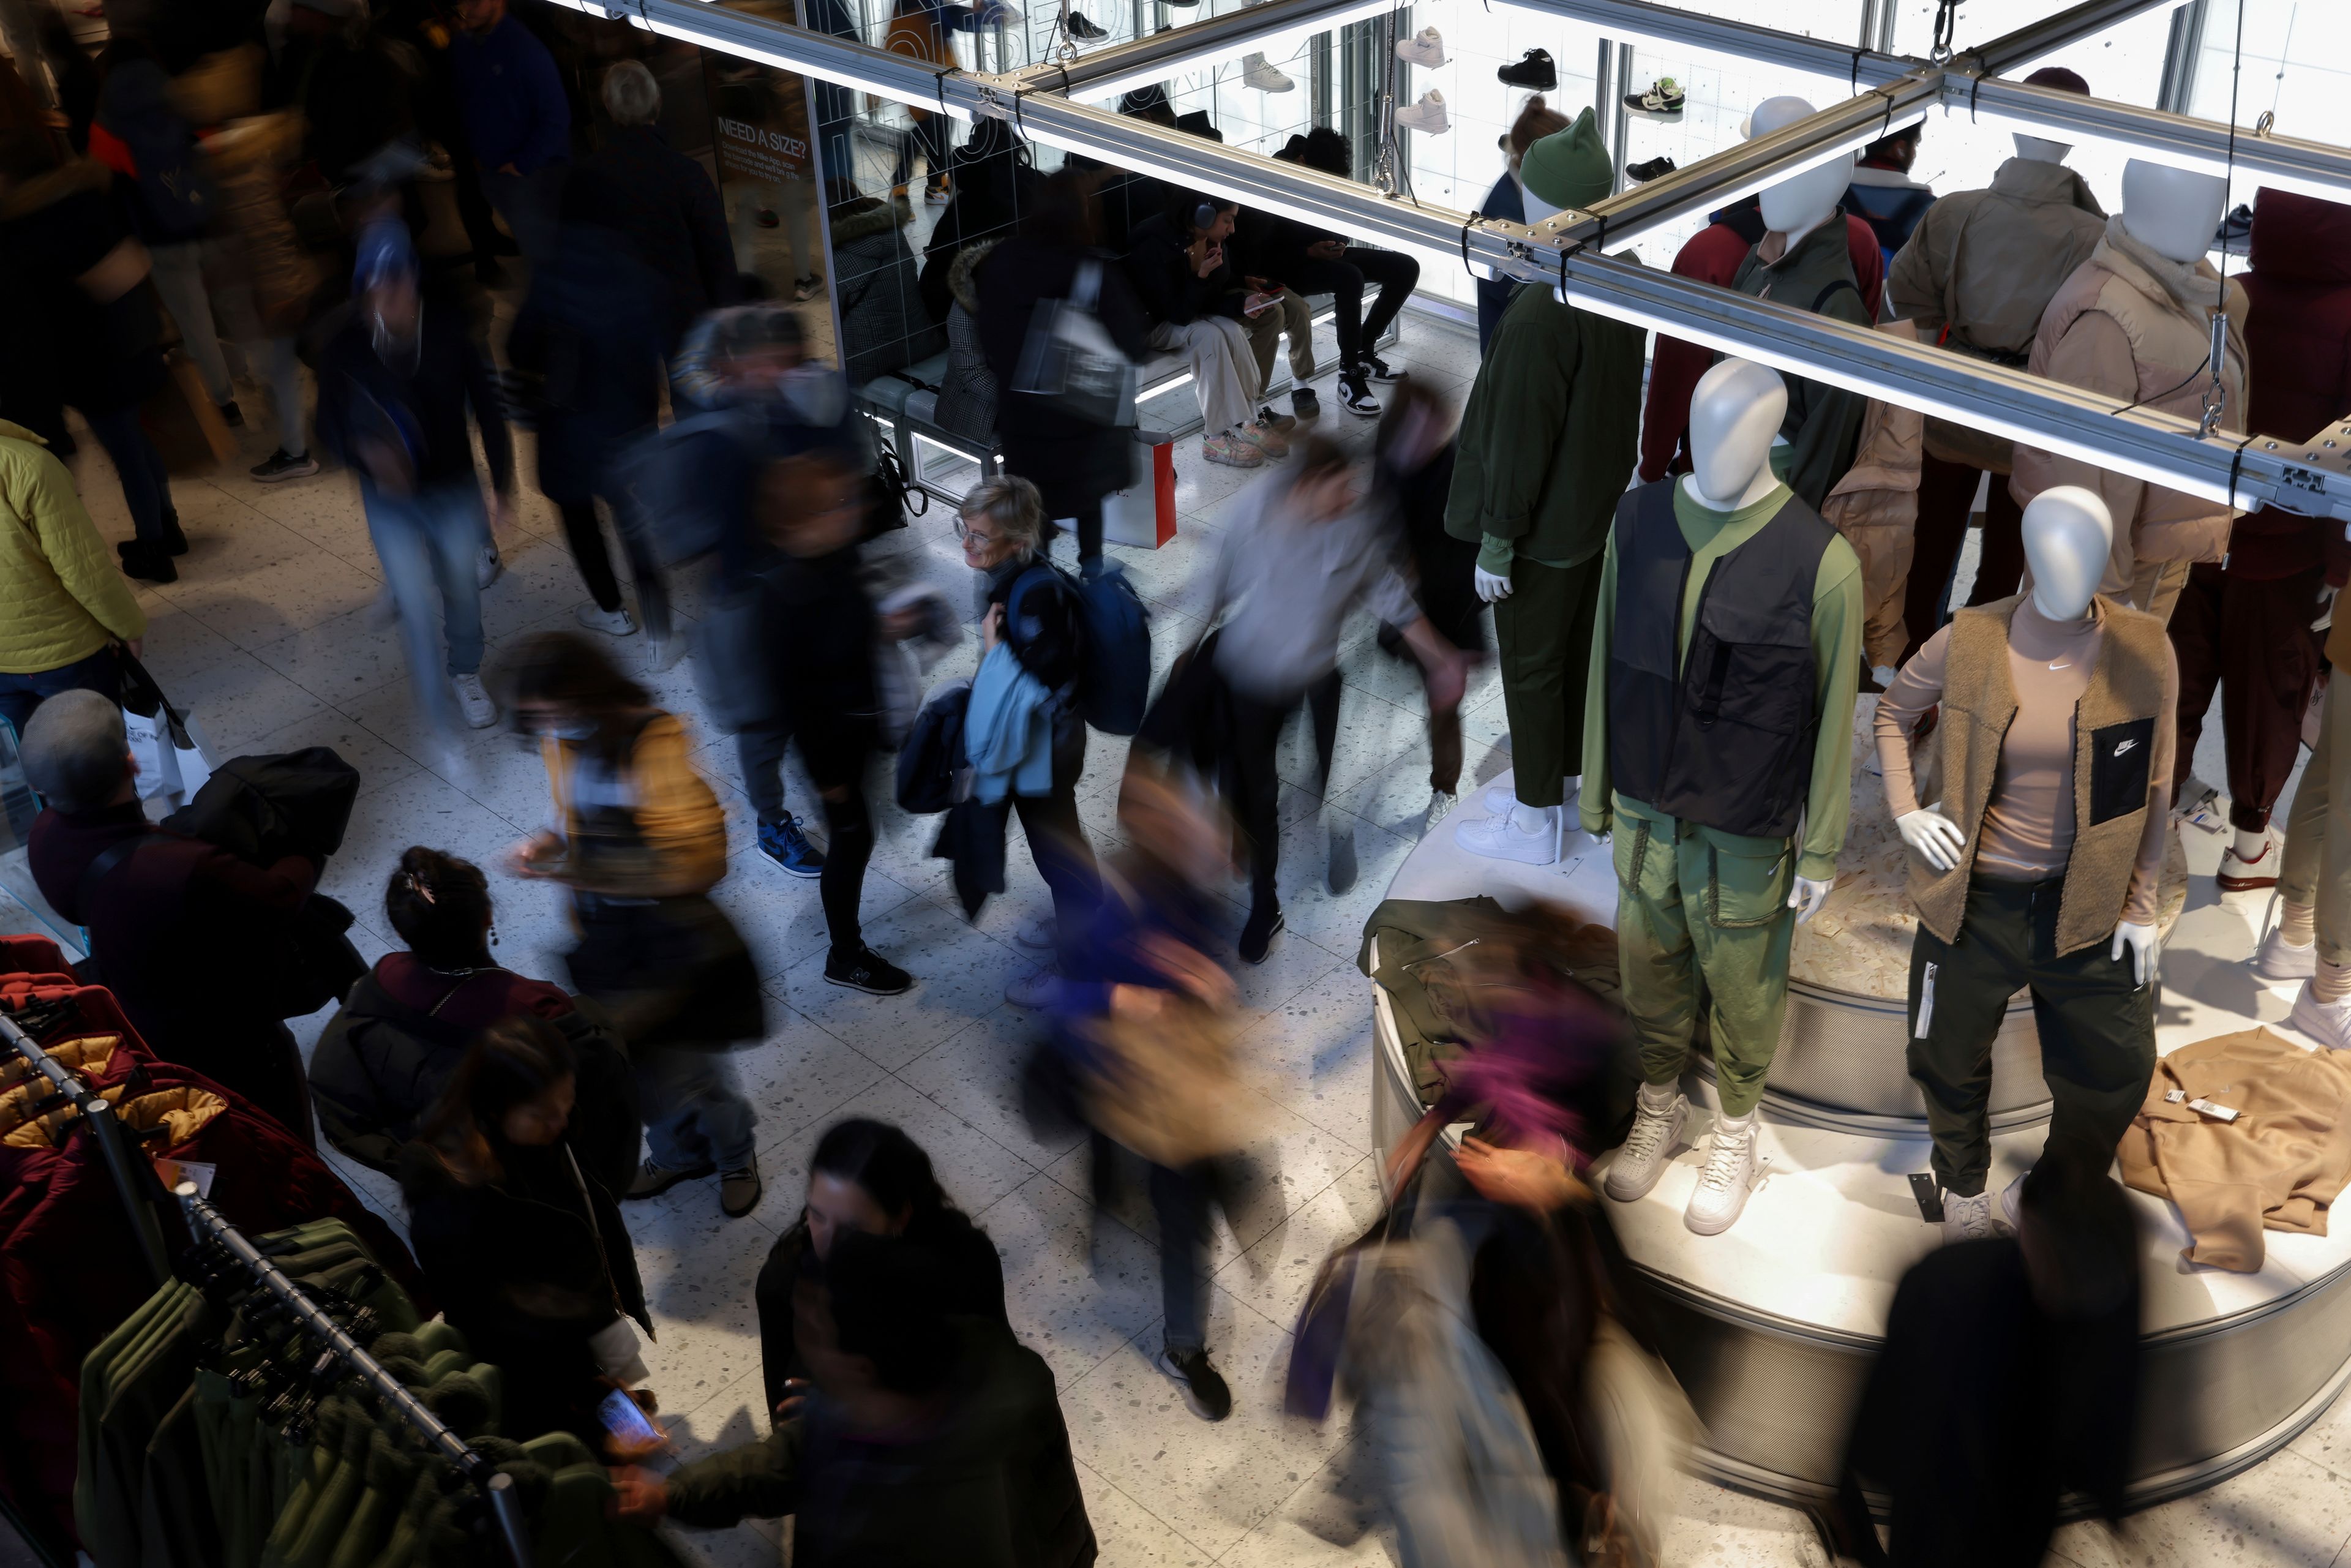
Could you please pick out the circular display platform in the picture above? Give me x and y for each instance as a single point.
(1771, 1326)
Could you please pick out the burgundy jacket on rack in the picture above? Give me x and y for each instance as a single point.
(2298, 348)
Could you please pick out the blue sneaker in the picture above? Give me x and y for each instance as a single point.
(784, 844)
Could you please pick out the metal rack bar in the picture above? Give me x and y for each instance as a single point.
(113, 1144)
(206, 1222)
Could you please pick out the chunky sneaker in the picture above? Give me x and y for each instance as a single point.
(807, 289)
(1729, 1177)
(1355, 397)
(1257, 933)
(1042, 935)
(1662, 100)
(1641, 1159)
(1425, 48)
(1205, 1394)
(2279, 959)
(1256, 72)
(2328, 1023)
(1305, 402)
(653, 1178)
(283, 464)
(1527, 834)
(1274, 420)
(473, 702)
(1082, 25)
(490, 567)
(1535, 71)
(1228, 448)
(1338, 868)
(1377, 369)
(866, 970)
(2242, 873)
(611, 623)
(784, 844)
(1035, 989)
(1427, 116)
(738, 1191)
(1266, 440)
(1440, 804)
(1640, 174)
(2011, 1204)
(1968, 1219)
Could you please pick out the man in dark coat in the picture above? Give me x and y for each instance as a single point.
(664, 202)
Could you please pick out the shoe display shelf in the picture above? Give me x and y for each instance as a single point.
(1771, 1326)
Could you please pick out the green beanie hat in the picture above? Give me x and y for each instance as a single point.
(1570, 168)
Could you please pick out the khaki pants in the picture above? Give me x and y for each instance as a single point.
(1265, 331)
(1696, 905)
(2317, 865)
(1544, 629)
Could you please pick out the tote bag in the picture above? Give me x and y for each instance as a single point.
(1070, 361)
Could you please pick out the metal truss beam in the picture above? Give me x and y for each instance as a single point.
(2036, 41)
(1216, 39)
(1668, 27)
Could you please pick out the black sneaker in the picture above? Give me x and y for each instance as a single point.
(866, 970)
(1377, 369)
(232, 415)
(1257, 936)
(1276, 421)
(1083, 26)
(176, 543)
(1305, 402)
(1354, 398)
(1204, 1386)
(1660, 164)
(654, 1178)
(145, 562)
(280, 465)
(1534, 71)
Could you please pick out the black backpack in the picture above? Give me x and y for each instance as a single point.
(933, 775)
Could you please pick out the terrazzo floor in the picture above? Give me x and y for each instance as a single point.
(274, 637)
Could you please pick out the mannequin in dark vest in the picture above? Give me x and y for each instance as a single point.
(1717, 747)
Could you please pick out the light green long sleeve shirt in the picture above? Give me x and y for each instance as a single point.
(1836, 663)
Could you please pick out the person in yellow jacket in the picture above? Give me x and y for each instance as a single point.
(64, 604)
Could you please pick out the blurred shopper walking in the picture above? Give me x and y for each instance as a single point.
(518, 119)
(663, 202)
(1412, 470)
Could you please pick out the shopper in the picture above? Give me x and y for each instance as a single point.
(394, 384)
(925, 1438)
(384, 1058)
(1412, 472)
(1193, 297)
(185, 935)
(995, 191)
(663, 202)
(1297, 556)
(1884, 195)
(820, 636)
(867, 1176)
(1073, 463)
(63, 605)
(592, 336)
(330, 70)
(1314, 262)
(524, 1249)
(518, 121)
(641, 841)
(1001, 524)
(1508, 200)
(2009, 1377)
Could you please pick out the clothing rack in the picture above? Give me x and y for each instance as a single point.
(506, 1508)
(113, 1144)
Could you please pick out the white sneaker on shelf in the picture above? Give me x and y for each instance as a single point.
(611, 623)
(1440, 806)
(2328, 1023)
(473, 702)
(1042, 934)
(1499, 798)
(1641, 1159)
(490, 567)
(1968, 1219)
(1528, 834)
(1427, 116)
(2279, 959)
(1426, 47)
(1729, 1175)
(1261, 74)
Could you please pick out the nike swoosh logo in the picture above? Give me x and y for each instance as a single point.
(2124, 746)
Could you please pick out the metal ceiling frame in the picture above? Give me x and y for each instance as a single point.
(1567, 252)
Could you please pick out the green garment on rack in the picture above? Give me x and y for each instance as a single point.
(331, 1511)
(130, 1382)
(319, 1465)
(399, 1546)
(177, 1527)
(390, 1475)
(239, 1465)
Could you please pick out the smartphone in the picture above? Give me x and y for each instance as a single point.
(1256, 303)
(625, 1419)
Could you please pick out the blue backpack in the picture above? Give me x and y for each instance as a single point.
(1114, 659)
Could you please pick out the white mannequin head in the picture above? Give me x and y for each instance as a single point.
(2172, 212)
(1734, 415)
(2034, 149)
(1797, 206)
(2068, 537)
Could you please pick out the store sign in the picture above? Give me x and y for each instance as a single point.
(760, 131)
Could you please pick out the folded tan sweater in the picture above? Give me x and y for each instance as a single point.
(2278, 1164)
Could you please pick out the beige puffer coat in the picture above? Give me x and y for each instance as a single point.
(62, 598)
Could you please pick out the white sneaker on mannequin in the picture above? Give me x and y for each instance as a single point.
(1729, 1177)
(1641, 1159)
(1528, 834)
(2011, 1204)
(2279, 959)
(2328, 1023)
(1499, 798)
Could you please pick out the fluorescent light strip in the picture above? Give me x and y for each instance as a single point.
(1226, 51)
(2171, 155)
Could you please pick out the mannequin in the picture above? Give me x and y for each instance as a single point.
(1717, 747)
(1547, 441)
(2013, 888)
(1976, 277)
(1803, 260)
(2134, 321)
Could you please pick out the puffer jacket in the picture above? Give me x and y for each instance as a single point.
(61, 598)
(2298, 340)
(2117, 327)
(883, 322)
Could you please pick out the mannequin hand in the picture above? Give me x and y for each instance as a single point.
(1935, 837)
(2145, 949)
(1489, 587)
(1807, 896)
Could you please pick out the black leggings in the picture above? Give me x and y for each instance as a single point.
(1393, 274)
(1257, 781)
(1089, 522)
(849, 844)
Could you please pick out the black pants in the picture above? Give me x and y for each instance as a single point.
(1257, 780)
(1946, 492)
(1089, 522)
(1057, 840)
(836, 755)
(1393, 274)
(2096, 1025)
(585, 535)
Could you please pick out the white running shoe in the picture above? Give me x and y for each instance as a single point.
(2244, 873)
(2279, 959)
(2328, 1023)
(1729, 1175)
(490, 567)
(1528, 834)
(1968, 1219)
(1426, 47)
(2011, 1204)
(1261, 74)
(611, 623)
(473, 702)
(1641, 1159)
(1427, 116)
(1499, 798)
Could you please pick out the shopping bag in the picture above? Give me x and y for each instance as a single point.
(166, 742)
(1070, 361)
(1143, 513)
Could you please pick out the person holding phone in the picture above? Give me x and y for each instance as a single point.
(1194, 299)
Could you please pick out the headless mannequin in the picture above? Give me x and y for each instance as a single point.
(2040, 151)
(2068, 535)
(1802, 203)
(2172, 212)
